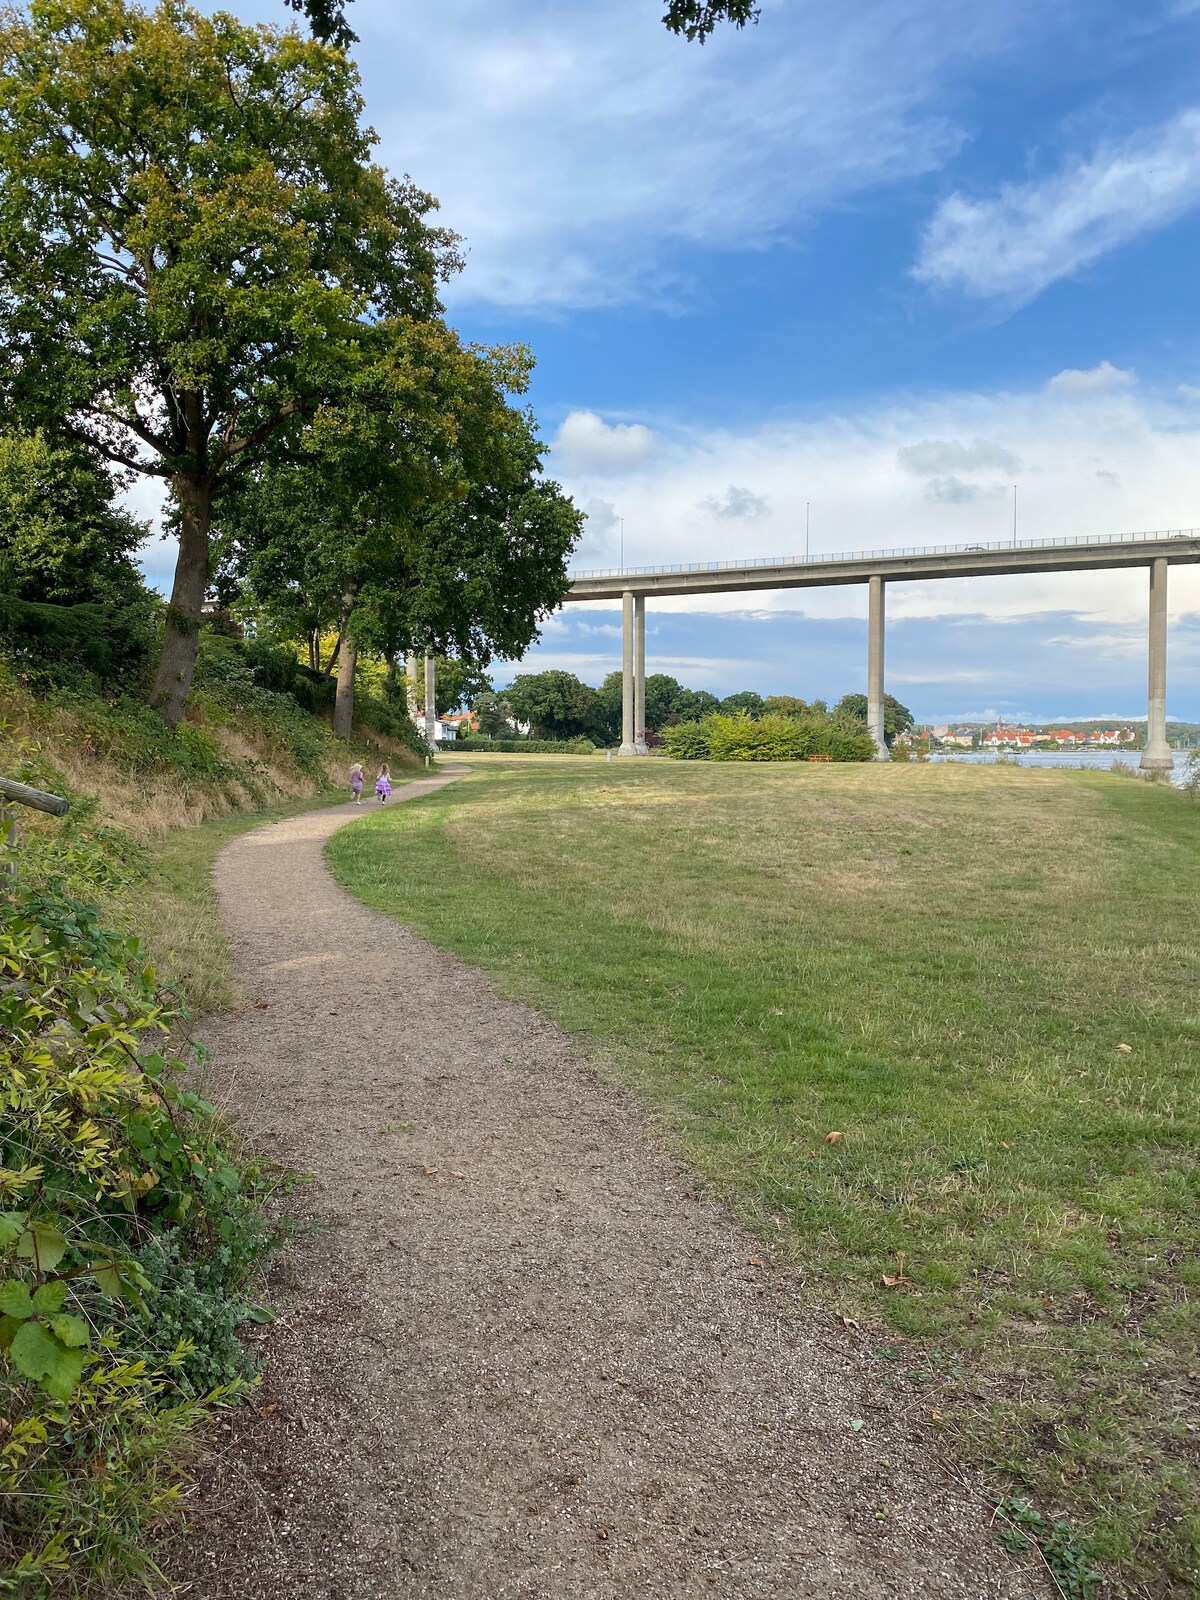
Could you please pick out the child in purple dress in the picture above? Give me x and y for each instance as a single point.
(383, 783)
(356, 782)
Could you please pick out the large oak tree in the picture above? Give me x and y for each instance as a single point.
(191, 236)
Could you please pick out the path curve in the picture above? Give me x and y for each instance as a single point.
(524, 1356)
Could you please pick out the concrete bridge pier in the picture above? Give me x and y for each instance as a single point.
(1156, 757)
(640, 746)
(628, 739)
(875, 667)
(430, 705)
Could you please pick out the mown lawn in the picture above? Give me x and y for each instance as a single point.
(986, 980)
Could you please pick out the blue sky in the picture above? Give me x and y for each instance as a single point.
(887, 258)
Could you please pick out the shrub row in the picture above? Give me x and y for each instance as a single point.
(537, 747)
(55, 646)
(772, 737)
(129, 1229)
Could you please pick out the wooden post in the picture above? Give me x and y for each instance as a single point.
(22, 795)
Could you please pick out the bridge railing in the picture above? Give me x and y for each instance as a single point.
(976, 548)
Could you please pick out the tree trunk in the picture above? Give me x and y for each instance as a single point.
(343, 705)
(181, 636)
(314, 644)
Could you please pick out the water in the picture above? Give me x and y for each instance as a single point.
(1091, 760)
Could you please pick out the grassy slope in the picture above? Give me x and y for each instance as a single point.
(939, 963)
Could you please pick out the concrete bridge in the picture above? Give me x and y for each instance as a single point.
(877, 568)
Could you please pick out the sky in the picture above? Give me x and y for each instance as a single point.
(884, 266)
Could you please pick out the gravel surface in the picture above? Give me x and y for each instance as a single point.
(522, 1355)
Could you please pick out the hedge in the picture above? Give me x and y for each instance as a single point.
(532, 747)
(773, 737)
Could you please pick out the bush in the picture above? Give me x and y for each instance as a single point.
(61, 646)
(772, 737)
(687, 741)
(128, 1231)
(535, 747)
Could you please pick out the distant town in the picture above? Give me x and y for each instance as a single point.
(1003, 736)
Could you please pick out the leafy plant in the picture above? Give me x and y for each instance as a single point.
(1067, 1556)
(128, 1228)
(771, 737)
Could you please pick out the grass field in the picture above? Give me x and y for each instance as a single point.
(985, 980)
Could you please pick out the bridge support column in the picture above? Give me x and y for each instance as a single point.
(430, 705)
(875, 667)
(1156, 757)
(639, 675)
(628, 747)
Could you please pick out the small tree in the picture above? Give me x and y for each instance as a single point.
(191, 234)
(495, 714)
(896, 717)
(62, 540)
(415, 511)
(787, 705)
(458, 684)
(556, 705)
(749, 702)
(692, 704)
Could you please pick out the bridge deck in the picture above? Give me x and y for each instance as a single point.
(932, 561)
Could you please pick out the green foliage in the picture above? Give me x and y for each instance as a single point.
(746, 701)
(535, 747)
(181, 294)
(690, 705)
(63, 541)
(896, 717)
(697, 19)
(128, 1230)
(787, 705)
(1068, 1557)
(495, 715)
(88, 647)
(556, 705)
(694, 19)
(771, 737)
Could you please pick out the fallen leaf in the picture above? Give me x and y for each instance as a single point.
(756, 1261)
(267, 1411)
(856, 1423)
(456, 1174)
(1125, 1049)
(834, 1138)
(1004, 1145)
(261, 1005)
(429, 1171)
(849, 1322)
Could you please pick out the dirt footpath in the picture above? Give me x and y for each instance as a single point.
(522, 1356)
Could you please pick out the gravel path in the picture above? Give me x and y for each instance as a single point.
(522, 1356)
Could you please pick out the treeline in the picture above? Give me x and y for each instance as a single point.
(559, 706)
(241, 306)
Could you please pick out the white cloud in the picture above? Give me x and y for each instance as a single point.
(587, 443)
(1091, 380)
(1016, 244)
(576, 146)
(736, 504)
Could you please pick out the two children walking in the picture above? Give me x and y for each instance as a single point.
(383, 783)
